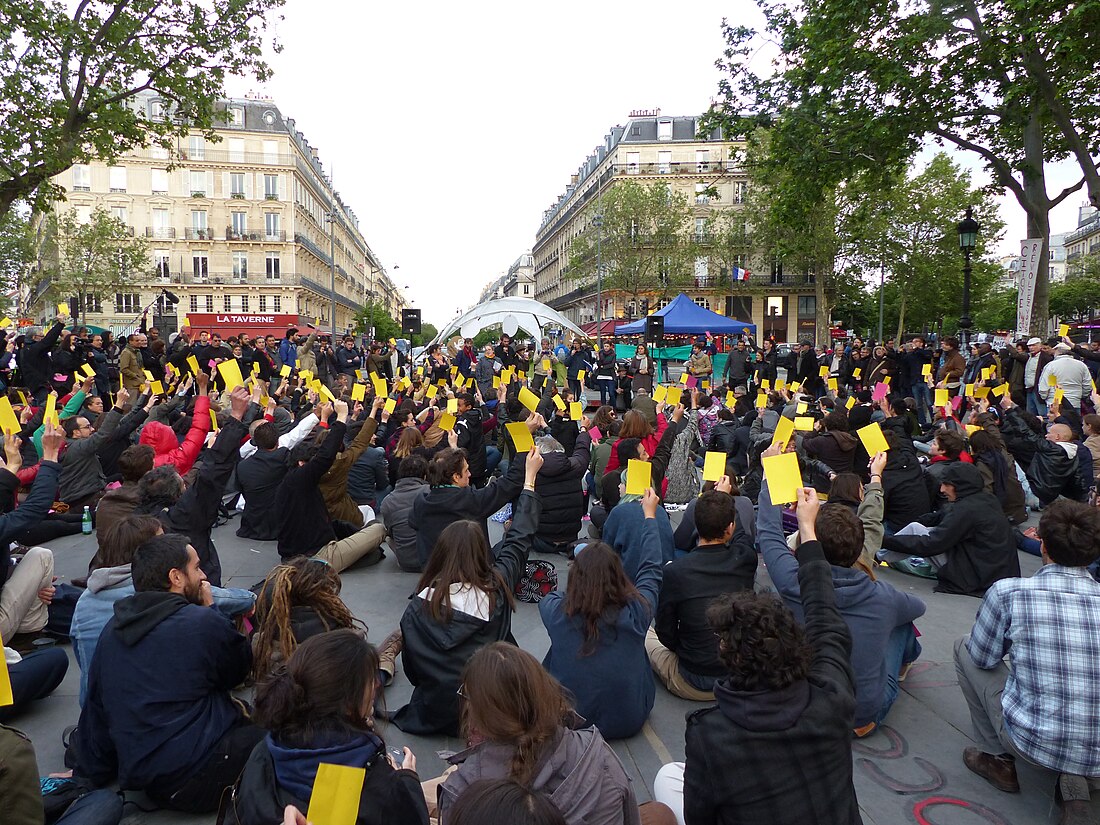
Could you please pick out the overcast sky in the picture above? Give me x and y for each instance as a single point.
(450, 128)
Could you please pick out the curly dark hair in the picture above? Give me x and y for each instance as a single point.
(759, 641)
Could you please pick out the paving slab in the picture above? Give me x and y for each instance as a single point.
(910, 771)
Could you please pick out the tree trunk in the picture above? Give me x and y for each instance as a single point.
(1038, 217)
(901, 316)
(823, 310)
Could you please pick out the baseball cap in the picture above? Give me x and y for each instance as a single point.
(1033, 341)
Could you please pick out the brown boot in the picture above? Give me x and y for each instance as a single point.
(1072, 794)
(998, 771)
(387, 655)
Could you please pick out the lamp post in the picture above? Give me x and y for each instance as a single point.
(330, 216)
(597, 219)
(968, 239)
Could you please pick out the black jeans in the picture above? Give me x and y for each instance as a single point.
(35, 677)
(203, 791)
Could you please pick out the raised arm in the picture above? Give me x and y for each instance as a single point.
(511, 561)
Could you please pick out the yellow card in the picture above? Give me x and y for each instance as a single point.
(971, 429)
(714, 466)
(452, 405)
(255, 367)
(765, 384)
(857, 372)
(265, 400)
(546, 365)
(432, 391)
(230, 372)
(761, 401)
(284, 370)
(156, 387)
(804, 423)
(926, 369)
(1052, 380)
(1063, 330)
(470, 383)
(5, 322)
(62, 308)
(851, 402)
(87, 371)
(999, 390)
(326, 392)
(213, 421)
(446, 422)
(873, 439)
(942, 399)
(336, 792)
(780, 384)
(969, 390)
(496, 382)
(306, 374)
(795, 386)
(639, 475)
(704, 384)
(442, 382)
(784, 477)
(6, 697)
(659, 393)
(801, 407)
(981, 392)
(454, 371)
(1058, 396)
(392, 342)
(193, 363)
(832, 384)
(51, 410)
(389, 406)
(506, 376)
(684, 378)
(559, 403)
(358, 392)
(731, 399)
(521, 436)
(528, 399)
(23, 398)
(986, 372)
(823, 372)
(783, 431)
(148, 375)
(576, 410)
(580, 376)
(381, 388)
(9, 421)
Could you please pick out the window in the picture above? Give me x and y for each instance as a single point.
(777, 271)
(198, 221)
(236, 116)
(702, 302)
(807, 306)
(198, 184)
(127, 302)
(739, 191)
(244, 303)
(200, 268)
(664, 162)
(526, 289)
(160, 258)
(158, 151)
(156, 109)
(271, 151)
(632, 162)
(271, 187)
(236, 185)
(240, 265)
(263, 303)
(159, 181)
(272, 266)
(160, 224)
(700, 228)
(196, 148)
(702, 159)
(277, 303)
(82, 178)
(117, 177)
(209, 303)
(119, 213)
(238, 222)
(664, 129)
(227, 303)
(701, 193)
(91, 303)
(194, 303)
(271, 224)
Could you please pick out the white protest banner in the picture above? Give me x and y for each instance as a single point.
(1030, 249)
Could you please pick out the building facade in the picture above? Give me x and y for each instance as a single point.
(520, 280)
(244, 231)
(651, 148)
(1085, 239)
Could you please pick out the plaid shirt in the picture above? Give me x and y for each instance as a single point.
(1049, 625)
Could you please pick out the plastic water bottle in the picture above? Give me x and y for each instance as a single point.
(86, 522)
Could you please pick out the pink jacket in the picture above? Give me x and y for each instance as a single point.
(168, 450)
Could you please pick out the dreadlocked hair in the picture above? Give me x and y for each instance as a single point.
(300, 582)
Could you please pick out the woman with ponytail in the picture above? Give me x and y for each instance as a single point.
(317, 707)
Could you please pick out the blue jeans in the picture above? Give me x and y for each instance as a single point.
(902, 649)
(102, 807)
(233, 601)
(492, 459)
(1035, 404)
(922, 394)
(607, 390)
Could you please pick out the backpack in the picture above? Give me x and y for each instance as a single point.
(682, 474)
(540, 578)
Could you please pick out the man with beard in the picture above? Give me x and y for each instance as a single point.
(159, 716)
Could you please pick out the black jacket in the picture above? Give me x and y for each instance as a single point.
(971, 531)
(835, 448)
(368, 475)
(1051, 470)
(782, 756)
(116, 442)
(33, 509)
(690, 584)
(905, 496)
(34, 360)
(258, 478)
(304, 523)
(559, 489)
(158, 692)
(435, 653)
(472, 440)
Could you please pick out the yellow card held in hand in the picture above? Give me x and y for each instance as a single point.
(381, 388)
(851, 402)
(358, 392)
(230, 372)
(9, 421)
(1059, 394)
(1063, 330)
(559, 403)
(969, 390)
(496, 382)
(6, 697)
(639, 474)
(336, 793)
(714, 466)
(576, 410)
(804, 423)
(926, 369)
(857, 372)
(528, 399)
(521, 436)
(801, 407)
(795, 386)
(823, 372)
(784, 477)
(659, 393)
(87, 371)
(981, 392)
(942, 399)
(148, 375)
(985, 373)
(1000, 390)
(546, 365)
(873, 439)
(62, 308)
(51, 410)
(432, 391)
(580, 376)
(326, 392)
(156, 387)
(833, 385)
(452, 405)
(193, 363)
(761, 401)
(390, 405)
(213, 421)
(765, 384)
(5, 322)
(783, 431)
(447, 422)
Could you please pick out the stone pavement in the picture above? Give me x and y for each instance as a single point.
(911, 770)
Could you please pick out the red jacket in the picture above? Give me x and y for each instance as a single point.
(168, 450)
(650, 443)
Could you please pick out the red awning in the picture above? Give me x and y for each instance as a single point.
(607, 326)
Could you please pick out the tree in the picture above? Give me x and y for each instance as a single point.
(95, 260)
(997, 310)
(645, 243)
(858, 87)
(16, 249)
(1078, 295)
(385, 327)
(427, 333)
(70, 82)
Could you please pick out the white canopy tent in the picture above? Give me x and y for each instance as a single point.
(513, 314)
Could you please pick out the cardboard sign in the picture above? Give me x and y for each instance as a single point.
(873, 439)
(784, 477)
(714, 466)
(639, 474)
(336, 793)
(521, 436)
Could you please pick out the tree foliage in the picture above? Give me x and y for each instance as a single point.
(16, 249)
(96, 259)
(69, 80)
(645, 242)
(1080, 293)
(856, 88)
(385, 327)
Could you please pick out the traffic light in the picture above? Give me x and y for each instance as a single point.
(645, 307)
(410, 321)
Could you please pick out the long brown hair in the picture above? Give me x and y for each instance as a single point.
(635, 425)
(300, 582)
(598, 589)
(119, 541)
(461, 556)
(511, 699)
(409, 440)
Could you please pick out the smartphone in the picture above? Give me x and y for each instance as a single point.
(398, 755)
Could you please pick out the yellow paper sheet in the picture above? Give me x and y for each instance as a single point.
(857, 372)
(714, 466)
(528, 399)
(576, 410)
(51, 410)
(230, 372)
(389, 406)
(986, 372)
(447, 422)
(971, 429)
(546, 365)
(639, 475)
(784, 477)
(731, 399)
(873, 439)
(157, 388)
(381, 388)
(62, 308)
(325, 392)
(981, 392)
(1000, 390)
(358, 392)
(9, 421)
(783, 431)
(87, 371)
(832, 384)
(780, 384)
(659, 393)
(969, 390)
(255, 367)
(6, 697)
(926, 369)
(580, 376)
(452, 405)
(761, 401)
(684, 378)
(193, 363)
(5, 322)
(765, 384)
(148, 375)
(521, 436)
(1063, 330)
(942, 399)
(823, 372)
(1059, 394)
(801, 407)
(432, 391)
(559, 403)
(496, 382)
(336, 792)
(213, 421)
(804, 423)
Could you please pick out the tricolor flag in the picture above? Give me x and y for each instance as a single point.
(740, 274)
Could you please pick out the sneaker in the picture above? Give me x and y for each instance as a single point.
(866, 730)
(914, 566)
(387, 654)
(998, 771)
(905, 668)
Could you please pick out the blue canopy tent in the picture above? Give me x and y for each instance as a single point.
(684, 317)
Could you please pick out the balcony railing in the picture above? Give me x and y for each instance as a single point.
(680, 167)
(191, 234)
(225, 156)
(232, 234)
(1083, 231)
(160, 232)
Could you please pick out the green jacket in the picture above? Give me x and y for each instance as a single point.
(20, 792)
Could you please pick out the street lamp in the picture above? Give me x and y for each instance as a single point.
(968, 239)
(597, 220)
(331, 217)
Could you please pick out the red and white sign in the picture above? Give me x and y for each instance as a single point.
(1030, 251)
(232, 323)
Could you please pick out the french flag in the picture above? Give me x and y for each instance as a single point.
(740, 274)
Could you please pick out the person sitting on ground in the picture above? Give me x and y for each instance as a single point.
(503, 800)
(258, 479)
(561, 493)
(412, 482)
(777, 747)
(968, 543)
(162, 438)
(135, 461)
(1041, 705)
(1050, 461)
(687, 537)
(878, 614)
(159, 715)
(82, 480)
(463, 601)
(948, 447)
(682, 648)
(999, 473)
(334, 483)
(831, 442)
(525, 730)
(305, 527)
(317, 710)
(598, 629)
